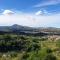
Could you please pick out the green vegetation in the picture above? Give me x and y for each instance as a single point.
(21, 47)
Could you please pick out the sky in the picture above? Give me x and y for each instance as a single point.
(32, 13)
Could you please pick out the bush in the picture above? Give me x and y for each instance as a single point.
(33, 47)
(25, 56)
(50, 57)
(13, 54)
(49, 50)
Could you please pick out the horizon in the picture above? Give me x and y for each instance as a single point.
(39, 13)
(28, 26)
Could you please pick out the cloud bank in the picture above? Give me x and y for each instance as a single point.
(9, 17)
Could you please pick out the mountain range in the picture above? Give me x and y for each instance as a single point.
(24, 30)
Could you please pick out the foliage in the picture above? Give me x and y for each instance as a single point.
(50, 57)
(22, 47)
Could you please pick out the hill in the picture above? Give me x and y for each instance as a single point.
(24, 30)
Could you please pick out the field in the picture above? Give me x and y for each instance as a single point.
(22, 47)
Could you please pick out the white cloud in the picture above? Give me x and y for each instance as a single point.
(41, 12)
(30, 20)
(8, 12)
(47, 3)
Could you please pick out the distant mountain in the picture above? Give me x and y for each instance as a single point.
(18, 29)
(15, 27)
(21, 28)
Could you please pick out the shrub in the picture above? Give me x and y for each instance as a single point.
(49, 50)
(50, 57)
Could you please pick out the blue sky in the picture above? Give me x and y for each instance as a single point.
(27, 5)
(33, 13)
(18, 4)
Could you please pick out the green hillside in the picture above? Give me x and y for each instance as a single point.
(22, 47)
